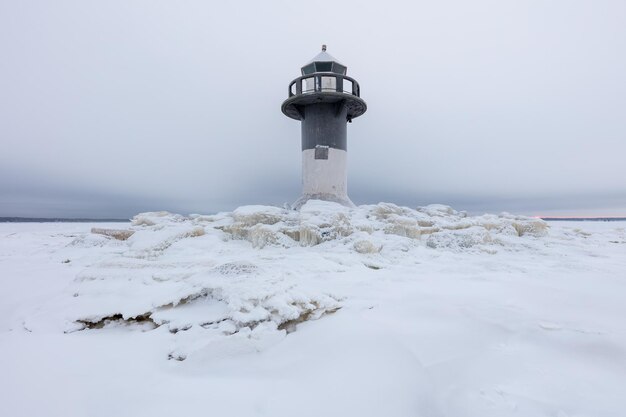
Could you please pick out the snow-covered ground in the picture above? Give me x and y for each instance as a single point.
(374, 311)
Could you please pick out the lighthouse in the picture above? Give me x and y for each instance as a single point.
(324, 99)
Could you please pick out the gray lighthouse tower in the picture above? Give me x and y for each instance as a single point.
(324, 99)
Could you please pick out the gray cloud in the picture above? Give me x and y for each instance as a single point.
(110, 108)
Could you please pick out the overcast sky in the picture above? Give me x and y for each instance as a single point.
(108, 108)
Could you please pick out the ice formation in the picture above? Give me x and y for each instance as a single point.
(425, 311)
(196, 277)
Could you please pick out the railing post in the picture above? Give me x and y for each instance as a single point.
(339, 83)
(299, 86)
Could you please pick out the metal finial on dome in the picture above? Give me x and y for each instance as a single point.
(324, 48)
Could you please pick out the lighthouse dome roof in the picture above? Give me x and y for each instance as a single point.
(323, 57)
(324, 62)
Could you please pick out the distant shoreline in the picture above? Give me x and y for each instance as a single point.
(68, 220)
(58, 220)
(583, 219)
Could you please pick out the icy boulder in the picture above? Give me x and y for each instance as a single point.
(526, 226)
(440, 210)
(262, 225)
(322, 221)
(366, 245)
(459, 239)
(149, 243)
(253, 215)
(156, 218)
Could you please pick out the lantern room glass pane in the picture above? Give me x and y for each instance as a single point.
(323, 66)
(329, 84)
(309, 69)
(308, 85)
(339, 69)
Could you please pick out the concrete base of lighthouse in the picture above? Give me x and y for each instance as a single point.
(324, 176)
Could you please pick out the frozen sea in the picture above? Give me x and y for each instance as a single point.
(375, 311)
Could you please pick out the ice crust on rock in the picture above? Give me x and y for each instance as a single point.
(208, 277)
(321, 221)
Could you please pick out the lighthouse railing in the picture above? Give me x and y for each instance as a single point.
(324, 82)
